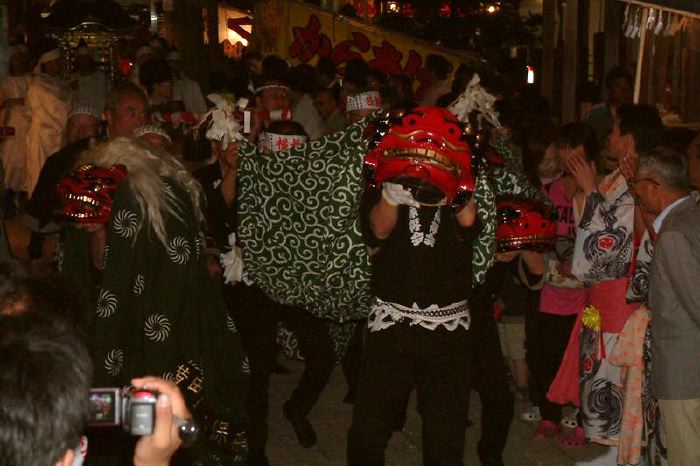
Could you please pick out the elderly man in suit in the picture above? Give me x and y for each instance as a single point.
(661, 189)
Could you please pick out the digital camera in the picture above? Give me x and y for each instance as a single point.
(135, 411)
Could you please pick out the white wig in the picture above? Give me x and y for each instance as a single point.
(147, 171)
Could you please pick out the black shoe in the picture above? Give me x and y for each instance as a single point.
(302, 427)
(257, 458)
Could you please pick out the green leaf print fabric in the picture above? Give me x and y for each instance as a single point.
(299, 224)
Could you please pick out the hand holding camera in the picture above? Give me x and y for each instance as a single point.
(172, 422)
(155, 410)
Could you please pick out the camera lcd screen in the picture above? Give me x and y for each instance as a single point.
(104, 407)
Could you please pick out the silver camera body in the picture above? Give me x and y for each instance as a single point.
(135, 411)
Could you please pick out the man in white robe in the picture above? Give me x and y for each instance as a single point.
(185, 89)
(13, 113)
(48, 109)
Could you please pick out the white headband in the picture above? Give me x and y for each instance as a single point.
(151, 129)
(85, 110)
(270, 86)
(370, 100)
(273, 142)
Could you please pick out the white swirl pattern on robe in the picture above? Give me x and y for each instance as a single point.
(106, 304)
(157, 327)
(105, 256)
(139, 284)
(114, 361)
(125, 223)
(198, 246)
(231, 324)
(179, 250)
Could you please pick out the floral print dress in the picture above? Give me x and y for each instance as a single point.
(602, 259)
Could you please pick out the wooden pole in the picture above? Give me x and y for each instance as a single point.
(548, 41)
(640, 56)
(570, 73)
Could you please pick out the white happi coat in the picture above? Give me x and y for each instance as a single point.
(48, 112)
(13, 149)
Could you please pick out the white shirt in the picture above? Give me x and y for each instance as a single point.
(304, 112)
(659, 220)
(189, 92)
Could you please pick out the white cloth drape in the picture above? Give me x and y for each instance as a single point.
(48, 112)
(13, 150)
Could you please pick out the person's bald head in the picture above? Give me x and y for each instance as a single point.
(125, 110)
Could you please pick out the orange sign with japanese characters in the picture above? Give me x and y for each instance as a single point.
(311, 33)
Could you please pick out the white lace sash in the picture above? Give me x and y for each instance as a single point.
(384, 314)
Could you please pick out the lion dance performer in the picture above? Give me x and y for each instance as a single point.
(142, 266)
(421, 278)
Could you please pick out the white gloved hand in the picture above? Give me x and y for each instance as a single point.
(396, 194)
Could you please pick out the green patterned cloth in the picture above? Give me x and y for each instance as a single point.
(299, 224)
(155, 311)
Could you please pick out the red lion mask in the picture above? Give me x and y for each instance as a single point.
(427, 152)
(87, 192)
(524, 224)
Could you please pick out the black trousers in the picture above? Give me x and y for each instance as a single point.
(490, 380)
(256, 317)
(396, 360)
(546, 337)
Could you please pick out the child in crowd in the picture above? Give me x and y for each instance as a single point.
(562, 295)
